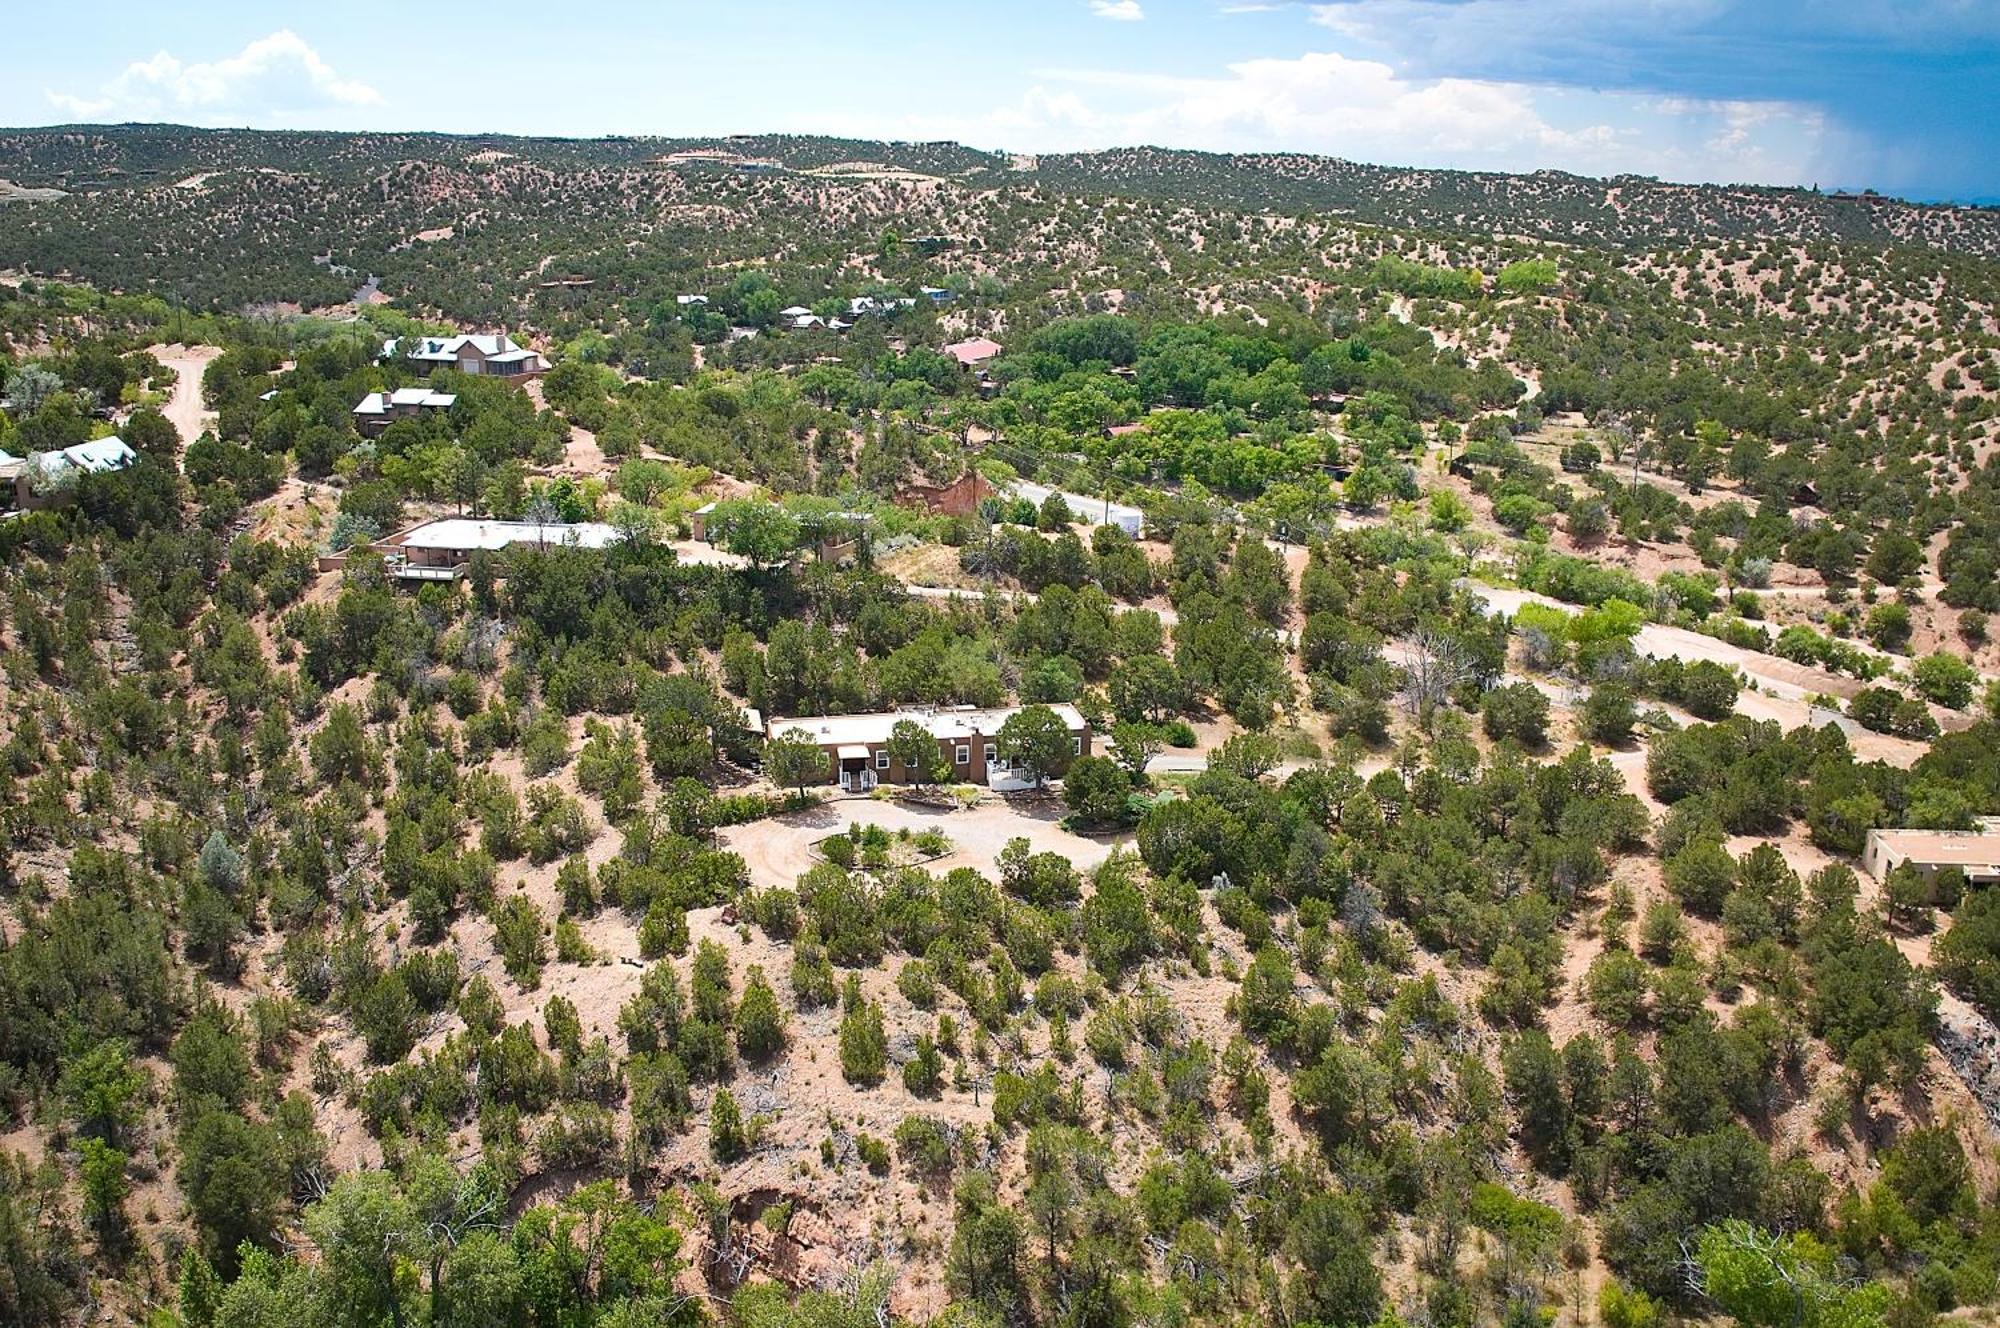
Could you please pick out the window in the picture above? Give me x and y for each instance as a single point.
(882, 759)
(992, 754)
(963, 756)
(1076, 744)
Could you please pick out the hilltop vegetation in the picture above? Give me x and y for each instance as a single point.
(1457, 918)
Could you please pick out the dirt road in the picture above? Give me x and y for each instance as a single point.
(184, 408)
(1782, 688)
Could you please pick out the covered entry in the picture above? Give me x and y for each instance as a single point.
(857, 772)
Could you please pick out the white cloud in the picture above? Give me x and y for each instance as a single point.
(1366, 111)
(274, 77)
(1123, 11)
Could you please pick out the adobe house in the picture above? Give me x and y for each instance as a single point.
(378, 410)
(1976, 853)
(856, 746)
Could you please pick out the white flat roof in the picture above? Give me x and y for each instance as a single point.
(374, 404)
(948, 723)
(472, 533)
(1976, 850)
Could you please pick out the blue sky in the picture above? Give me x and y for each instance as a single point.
(1892, 94)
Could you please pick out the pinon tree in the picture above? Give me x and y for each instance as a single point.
(1037, 740)
(793, 759)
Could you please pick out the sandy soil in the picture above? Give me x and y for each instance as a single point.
(701, 554)
(779, 851)
(184, 408)
(1780, 676)
(300, 513)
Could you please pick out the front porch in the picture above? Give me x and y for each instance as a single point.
(854, 767)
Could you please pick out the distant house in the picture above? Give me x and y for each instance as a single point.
(864, 306)
(685, 300)
(378, 410)
(935, 294)
(795, 311)
(493, 355)
(439, 550)
(1976, 853)
(38, 480)
(803, 322)
(967, 739)
(978, 350)
(1096, 511)
(837, 537)
(698, 522)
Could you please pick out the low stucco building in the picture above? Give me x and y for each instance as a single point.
(439, 550)
(1976, 853)
(858, 759)
(378, 410)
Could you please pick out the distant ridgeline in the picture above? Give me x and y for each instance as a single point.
(359, 186)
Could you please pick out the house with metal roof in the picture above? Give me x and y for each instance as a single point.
(1096, 511)
(36, 480)
(493, 355)
(439, 550)
(976, 350)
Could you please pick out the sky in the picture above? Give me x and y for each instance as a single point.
(1896, 95)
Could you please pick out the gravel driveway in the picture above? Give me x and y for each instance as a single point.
(778, 851)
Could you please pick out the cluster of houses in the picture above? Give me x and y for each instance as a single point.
(801, 319)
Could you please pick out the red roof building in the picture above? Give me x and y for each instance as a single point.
(976, 351)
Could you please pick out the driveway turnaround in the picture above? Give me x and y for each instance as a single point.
(779, 850)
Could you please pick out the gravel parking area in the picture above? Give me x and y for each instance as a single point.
(778, 851)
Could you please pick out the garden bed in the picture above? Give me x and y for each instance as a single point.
(872, 848)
